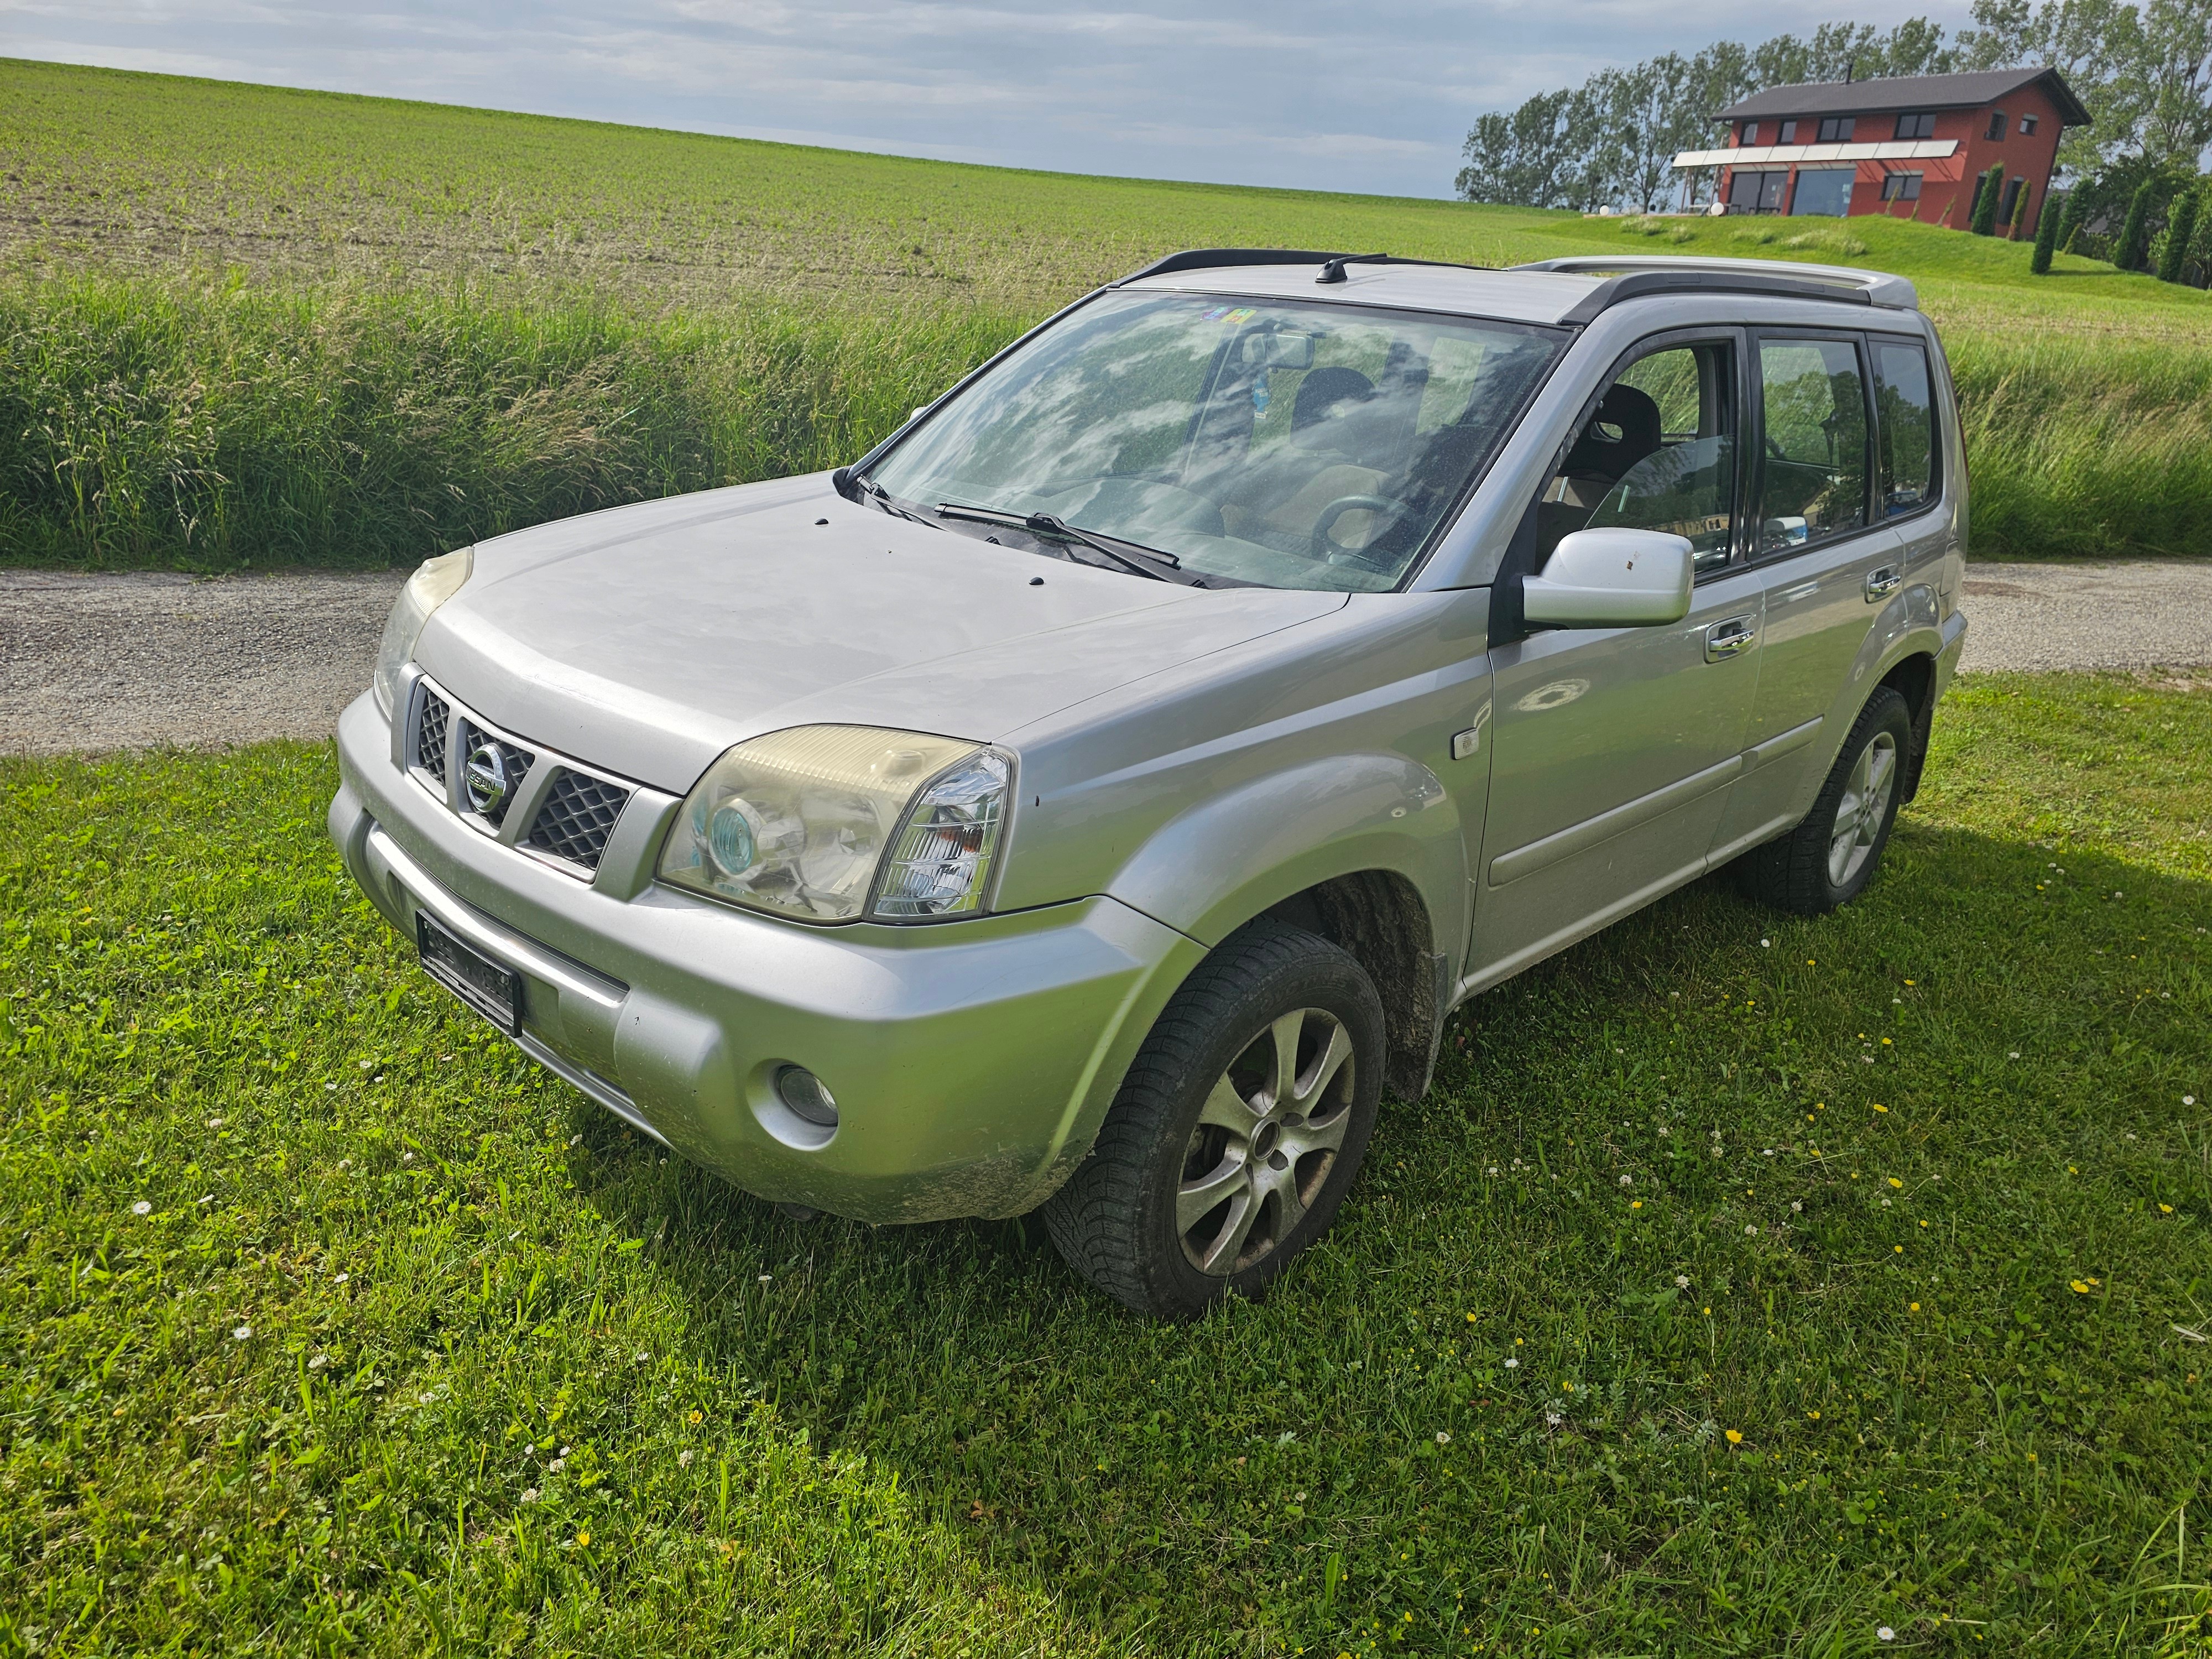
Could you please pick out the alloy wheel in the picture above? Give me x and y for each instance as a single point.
(1863, 809)
(1265, 1142)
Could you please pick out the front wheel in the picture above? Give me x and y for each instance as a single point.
(1829, 858)
(1237, 1130)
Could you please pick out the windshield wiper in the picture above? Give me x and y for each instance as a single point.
(1049, 524)
(883, 498)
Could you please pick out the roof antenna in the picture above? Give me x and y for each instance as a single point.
(1850, 65)
(1332, 270)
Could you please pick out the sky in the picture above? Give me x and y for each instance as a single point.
(1371, 95)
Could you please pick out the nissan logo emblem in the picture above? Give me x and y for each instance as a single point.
(483, 775)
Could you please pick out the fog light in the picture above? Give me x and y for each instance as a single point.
(801, 1091)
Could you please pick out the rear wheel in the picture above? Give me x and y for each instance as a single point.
(1828, 859)
(1237, 1130)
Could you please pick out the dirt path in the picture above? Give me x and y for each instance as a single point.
(128, 661)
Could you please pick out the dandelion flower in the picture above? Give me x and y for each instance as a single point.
(2079, 1288)
(1915, 1308)
(1735, 1437)
(142, 1208)
(1881, 1108)
(583, 1538)
(2166, 1209)
(1895, 1182)
(1635, 1203)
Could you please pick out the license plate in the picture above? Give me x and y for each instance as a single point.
(492, 988)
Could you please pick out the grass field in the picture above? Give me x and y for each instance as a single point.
(243, 324)
(1746, 1285)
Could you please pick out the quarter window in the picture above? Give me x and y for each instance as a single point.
(1905, 404)
(1813, 474)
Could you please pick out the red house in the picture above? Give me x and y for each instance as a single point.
(1913, 147)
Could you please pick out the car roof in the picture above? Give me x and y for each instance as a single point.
(1513, 296)
(1551, 292)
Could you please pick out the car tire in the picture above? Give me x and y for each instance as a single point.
(1829, 858)
(1207, 1177)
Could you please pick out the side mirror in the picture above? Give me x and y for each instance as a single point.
(1613, 579)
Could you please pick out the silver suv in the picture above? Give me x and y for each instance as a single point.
(1097, 796)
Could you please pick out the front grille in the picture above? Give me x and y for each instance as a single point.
(430, 734)
(514, 764)
(578, 815)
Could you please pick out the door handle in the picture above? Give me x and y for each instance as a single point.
(1730, 638)
(1880, 584)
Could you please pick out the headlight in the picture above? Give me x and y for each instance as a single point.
(831, 822)
(435, 582)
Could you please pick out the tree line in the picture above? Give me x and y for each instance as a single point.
(2143, 71)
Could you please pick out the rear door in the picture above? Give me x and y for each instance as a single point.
(1613, 747)
(1826, 560)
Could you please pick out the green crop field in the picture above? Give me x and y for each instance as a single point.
(246, 325)
(1746, 1285)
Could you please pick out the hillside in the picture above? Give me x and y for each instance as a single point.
(597, 312)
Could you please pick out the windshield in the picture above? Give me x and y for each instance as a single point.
(1271, 442)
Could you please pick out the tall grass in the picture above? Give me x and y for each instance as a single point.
(205, 423)
(210, 425)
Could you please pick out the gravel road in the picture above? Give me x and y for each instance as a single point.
(129, 661)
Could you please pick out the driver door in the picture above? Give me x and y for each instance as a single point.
(1614, 748)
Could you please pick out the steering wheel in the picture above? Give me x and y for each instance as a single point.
(1327, 548)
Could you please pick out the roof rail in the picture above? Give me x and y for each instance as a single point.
(1214, 259)
(1846, 282)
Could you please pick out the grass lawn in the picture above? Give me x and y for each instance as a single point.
(1745, 1285)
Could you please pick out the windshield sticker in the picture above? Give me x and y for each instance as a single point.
(1260, 396)
(1229, 314)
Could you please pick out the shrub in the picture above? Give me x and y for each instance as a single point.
(2046, 235)
(2180, 230)
(2135, 235)
(1983, 220)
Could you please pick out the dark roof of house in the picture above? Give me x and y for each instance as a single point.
(1908, 92)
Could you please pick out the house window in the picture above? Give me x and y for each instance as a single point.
(1825, 191)
(2028, 125)
(1919, 126)
(1996, 124)
(1750, 133)
(1788, 133)
(1901, 187)
(1836, 129)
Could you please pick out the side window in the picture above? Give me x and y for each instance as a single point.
(1905, 407)
(1659, 453)
(1813, 474)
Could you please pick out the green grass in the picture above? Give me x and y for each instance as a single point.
(248, 325)
(930, 1440)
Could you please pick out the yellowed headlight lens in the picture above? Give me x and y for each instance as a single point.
(796, 822)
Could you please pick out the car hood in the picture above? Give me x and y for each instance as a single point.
(648, 639)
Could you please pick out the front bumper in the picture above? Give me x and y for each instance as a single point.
(971, 1061)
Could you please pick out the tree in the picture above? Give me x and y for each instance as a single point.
(2180, 230)
(1983, 219)
(2046, 235)
(2069, 223)
(2019, 207)
(1522, 157)
(2168, 83)
(2135, 235)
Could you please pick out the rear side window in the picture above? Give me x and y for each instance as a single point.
(1812, 473)
(1905, 407)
